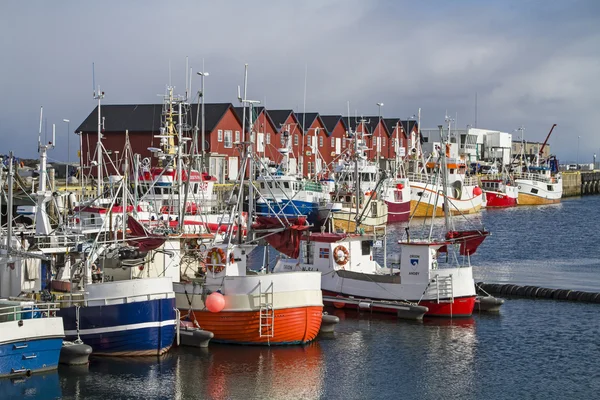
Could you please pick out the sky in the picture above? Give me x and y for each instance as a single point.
(529, 63)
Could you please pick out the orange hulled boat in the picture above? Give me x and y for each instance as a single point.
(247, 307)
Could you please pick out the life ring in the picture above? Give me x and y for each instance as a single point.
(217, 264)
(343, 260)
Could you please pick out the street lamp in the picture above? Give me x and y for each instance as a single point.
(379, 132)
(578, 137)
(202, 74)
(68, 151)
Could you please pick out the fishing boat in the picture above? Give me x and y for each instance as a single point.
(358, 190)
(417, 275)
(540, 183)
(240, 306)
(31, 337)
(97, 274)
(428, 194)
(284, 194)
(499, 191)
(396, 194)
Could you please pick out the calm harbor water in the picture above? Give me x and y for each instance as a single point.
(534, 349)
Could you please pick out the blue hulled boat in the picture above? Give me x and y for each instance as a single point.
(31, 337)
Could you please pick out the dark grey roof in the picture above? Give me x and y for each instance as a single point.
(306, 118)
(279, 117)
(408, 125)
(147, 117)
(355, 121)
(391, 123)
(239, 111)
(330, 122)
(372, 125)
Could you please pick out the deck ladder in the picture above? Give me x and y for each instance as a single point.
(444, 289)
(266, 325)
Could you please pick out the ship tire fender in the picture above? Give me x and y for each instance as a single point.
(341, 260)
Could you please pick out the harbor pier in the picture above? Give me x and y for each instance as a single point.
(578, 183)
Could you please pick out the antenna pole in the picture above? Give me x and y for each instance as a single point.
(99, 96)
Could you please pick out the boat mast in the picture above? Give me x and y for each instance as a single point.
(99, 96)
(444, 168)
(9, 206)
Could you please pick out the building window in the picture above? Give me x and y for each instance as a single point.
(320, 141)
(394, 143)
(296, 139)
(310, 167)
(228, 143)
(344, 142)
(309, 140)
(332, 142)
(219, 135)
(323, 252)
(237, 136)
(282, 139)
(268, 138)
(383, 139)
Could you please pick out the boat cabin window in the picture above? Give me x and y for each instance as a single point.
(286, 185)
(308, 248)
(398, 196)
(374, 209)
(549, 188)
(348, 200)
(365, 246)
(157, 190)
(451, 170)
(534, 191)
(270, 184)
(262, 185)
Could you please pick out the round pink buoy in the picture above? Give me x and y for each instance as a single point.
(215, 302)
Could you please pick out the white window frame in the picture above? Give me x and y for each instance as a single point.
(268, 139)
(332, 142)
(220, 135)
(309, 141)
(282, 139)
(237, 136)
(228, 144)
(320, 141)
(344, 143)
(295, 139)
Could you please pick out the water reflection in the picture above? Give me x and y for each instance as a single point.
(223, 372)
(115, 378)
(45, 385)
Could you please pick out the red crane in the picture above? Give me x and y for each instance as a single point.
(546, 141)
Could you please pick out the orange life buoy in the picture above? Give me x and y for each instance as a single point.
(215, 260)
(342, 259)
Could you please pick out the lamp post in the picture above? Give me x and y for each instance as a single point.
(379, 105)
(68, 151)
(203, 147)
(578, 137)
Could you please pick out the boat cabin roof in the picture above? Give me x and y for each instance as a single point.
(335, 237)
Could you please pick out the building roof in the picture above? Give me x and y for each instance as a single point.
(147, 117)
(308, 119)
(331, 121)
(372, 122)
(355, 122)
(279, 117)
(409, 125)
(390, 124)
(239, 111)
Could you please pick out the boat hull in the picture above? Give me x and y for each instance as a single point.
(499, 200)
(446, 308)
(533, 200)
(423, 209)
(31, 347)
(141, 328)
(398, 212)
(293, 208)
(296, 325)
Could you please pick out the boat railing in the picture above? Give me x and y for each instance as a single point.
(423, 178)
(17, 312)
(54, 241)
(470, 181)
(71, 299)
(534, 177)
